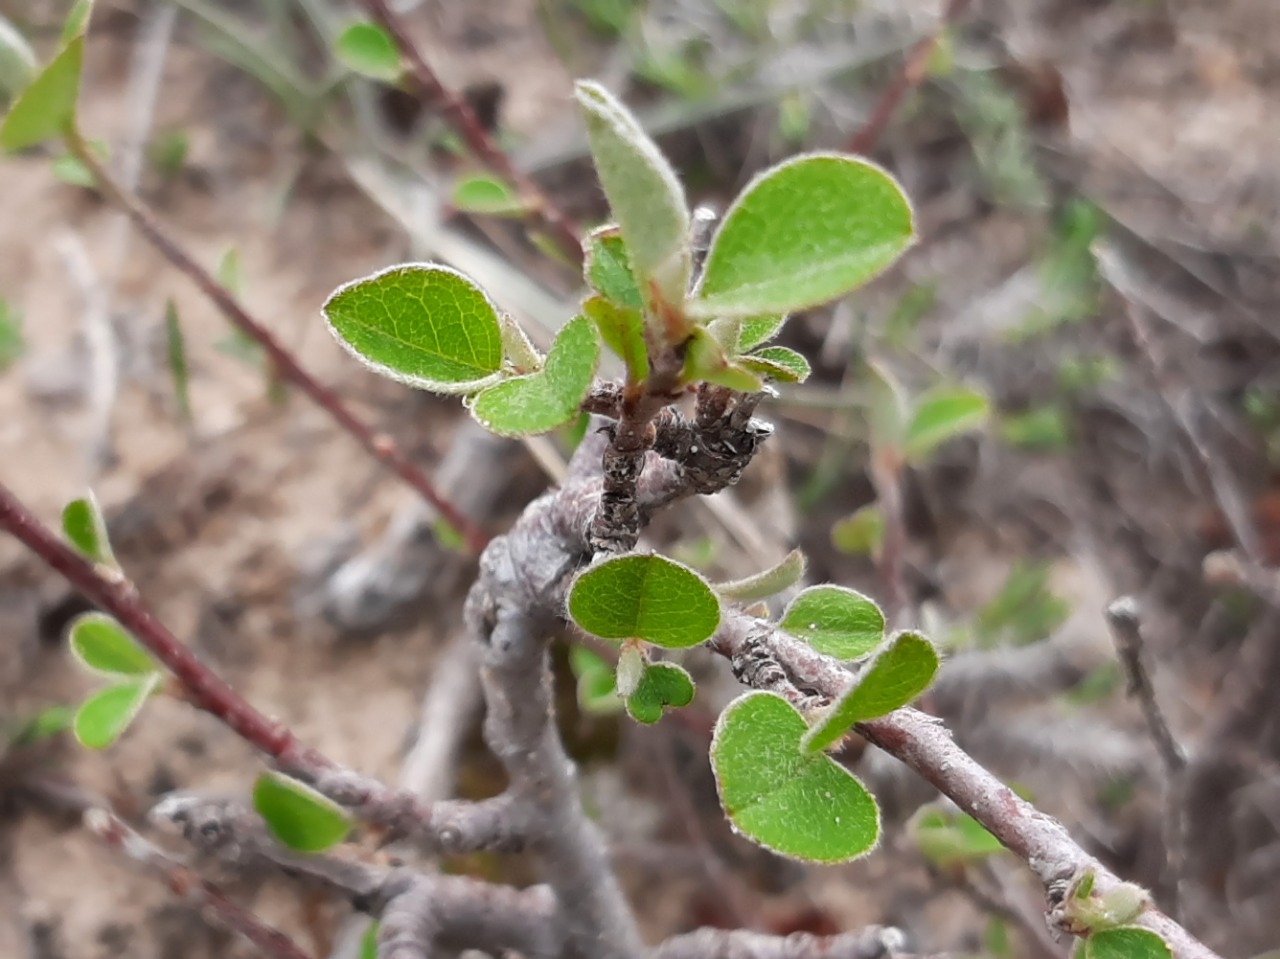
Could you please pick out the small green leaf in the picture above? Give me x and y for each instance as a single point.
(422, 324)
(524, 356)
(643, 191)
(633, 658)
(803, 233)
(77, 22)
(102, 645)
(369, 941)
(758, 330)
(17, 60)
(488, 196)
(899, 671)
(539, 402)
(941, 414)
(12, 342)
(705, 362)
(645, 597)
(662, 686)
(105, 715)
(861, 533)
(835, 620)
(948, 837)
(43, 725)
(1041, 428)
(769, 583)
(805, 806)
(176, 351)
(86, 530)
(229, 273)
(608, 269)
(1126, 942)
(778, 363)
(367, 49)
(622, 330)
(298, 816)
(47, 108)
(70, 169)
(597, 692)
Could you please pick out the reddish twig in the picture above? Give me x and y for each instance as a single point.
(380, 446)
(914, 69)
(480, 144)
(187, 884)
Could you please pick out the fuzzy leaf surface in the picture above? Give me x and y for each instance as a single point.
(803, 233)
(644, 193)
(368, 50)
(422, 324)
(778, 363)
(86, 529)
(899, 672)
(102, 645)
(608, 269)
(104, 716)
(298, 816)
(771, 582)
(662, 686)
(758, 330)
(645, 597)
(801, 805)
(835, 620)
(539, 402)
(1126, 942)
(941, 414)
(622, 330)
(705, 361)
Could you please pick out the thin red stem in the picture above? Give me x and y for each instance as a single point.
(380, 446)
(911, 76)
(478, 141)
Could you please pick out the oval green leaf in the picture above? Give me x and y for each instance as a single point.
(422, 324)
(771, 582)
(367, 49)
(539, 402)
(644, 193)
(104, 716)
(488, 196)
(297, 816)
(948, 837)
(47, 107)
(86, 530)
(597, 692)
(778, 363)
(803, 233)
(662, 686)
(805, 806)
(861, 533)
(758, 330)
(645, 597)
(102, 645)
(899, 671)
(835, 620)
(941, 414)
(608, 269)
(622, 330)
(1126, 942)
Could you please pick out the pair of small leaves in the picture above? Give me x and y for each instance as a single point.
(431, 327)
(657, 687)
(46, 108)
(297, 816)
(644, 597)
(102, 646)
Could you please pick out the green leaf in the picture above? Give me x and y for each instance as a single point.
(488, 196)
(643, 191)
(778, 363)
(297, 816)
(705, 361)
(645, 597)
(662, 686)
(861, 533)
(597, 692)
(104, 716)
(422, 324)
(941, 414)
(1041, 428)
(608, 269)
(369, 941)
(524, 356)
(805, 806)
(167, 153)
(769, 583)
(758, 330)
(47, 108)
(1126, 942)
(12, 342)
(17, 60)
(176, 351)
(229, 273)
(86, 530)
(948, 837)
(367, 49)
(539, 402)
(899, 671)
(835, 620)
(622, 330)
(77, 22)
(43, 725)
(887, 409)
(72, 171)
(803, 233)
(102, 645)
